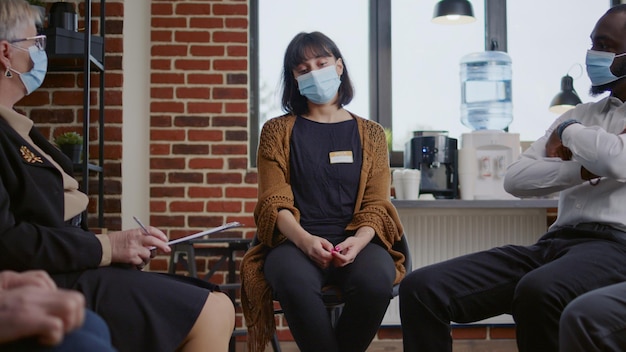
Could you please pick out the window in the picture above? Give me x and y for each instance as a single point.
(543, 42)
(345, 22)
(425, 68)
(543, 46)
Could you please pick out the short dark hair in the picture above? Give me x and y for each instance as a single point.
(301, 48)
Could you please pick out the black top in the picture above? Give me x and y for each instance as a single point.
(325, 164)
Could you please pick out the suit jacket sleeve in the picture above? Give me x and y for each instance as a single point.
(33, 233)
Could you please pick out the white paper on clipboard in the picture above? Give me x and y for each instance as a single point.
(207, 232)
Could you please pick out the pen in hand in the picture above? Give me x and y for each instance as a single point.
(144, 229)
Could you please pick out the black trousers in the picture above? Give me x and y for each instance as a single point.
(595, 321)
(366, 285)
(533, 283)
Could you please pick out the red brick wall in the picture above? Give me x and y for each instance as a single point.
(199, 174)
(199, 116)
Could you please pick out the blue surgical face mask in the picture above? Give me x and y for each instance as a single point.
(319, 86)
(34, 78)
(599, 67)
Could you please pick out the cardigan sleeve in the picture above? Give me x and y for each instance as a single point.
(273, 180)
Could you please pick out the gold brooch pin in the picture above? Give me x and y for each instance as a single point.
(29, 156)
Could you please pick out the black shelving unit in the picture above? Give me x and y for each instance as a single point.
(70, 51)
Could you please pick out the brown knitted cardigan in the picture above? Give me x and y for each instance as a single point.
(373, 208)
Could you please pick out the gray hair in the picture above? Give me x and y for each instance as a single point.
(15, 16)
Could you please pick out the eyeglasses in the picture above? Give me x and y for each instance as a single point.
(40, 41)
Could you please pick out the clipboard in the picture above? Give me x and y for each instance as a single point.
(206, 232)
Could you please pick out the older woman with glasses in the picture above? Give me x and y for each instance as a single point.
(40, 207)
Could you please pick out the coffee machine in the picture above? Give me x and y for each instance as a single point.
(435, 155)
(486, 154)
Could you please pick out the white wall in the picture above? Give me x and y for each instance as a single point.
(136, 113)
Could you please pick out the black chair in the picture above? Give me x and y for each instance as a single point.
(185, 253)
(332, 295)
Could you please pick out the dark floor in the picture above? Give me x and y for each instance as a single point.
(396, 346)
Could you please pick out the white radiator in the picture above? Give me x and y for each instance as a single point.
(437, 234)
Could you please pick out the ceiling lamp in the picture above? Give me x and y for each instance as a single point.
(567, 98)
(453, 12)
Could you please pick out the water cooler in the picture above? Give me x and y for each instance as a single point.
(486, 108)
(483, 159)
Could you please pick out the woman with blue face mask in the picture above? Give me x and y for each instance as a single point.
(41, 227)
(33, 78)
(324, 214)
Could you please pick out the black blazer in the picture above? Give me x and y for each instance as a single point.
(33, 233)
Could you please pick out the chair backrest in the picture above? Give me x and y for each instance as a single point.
(255, 240)
(402, 246)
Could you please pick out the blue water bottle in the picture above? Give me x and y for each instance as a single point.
(486, 90)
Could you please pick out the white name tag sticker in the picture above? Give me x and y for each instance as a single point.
(342, 157)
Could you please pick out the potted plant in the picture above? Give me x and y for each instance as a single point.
(71, 144)
(395, 158)
(389, 138)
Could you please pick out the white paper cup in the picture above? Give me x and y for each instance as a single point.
(411, 181)
(398, 184)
